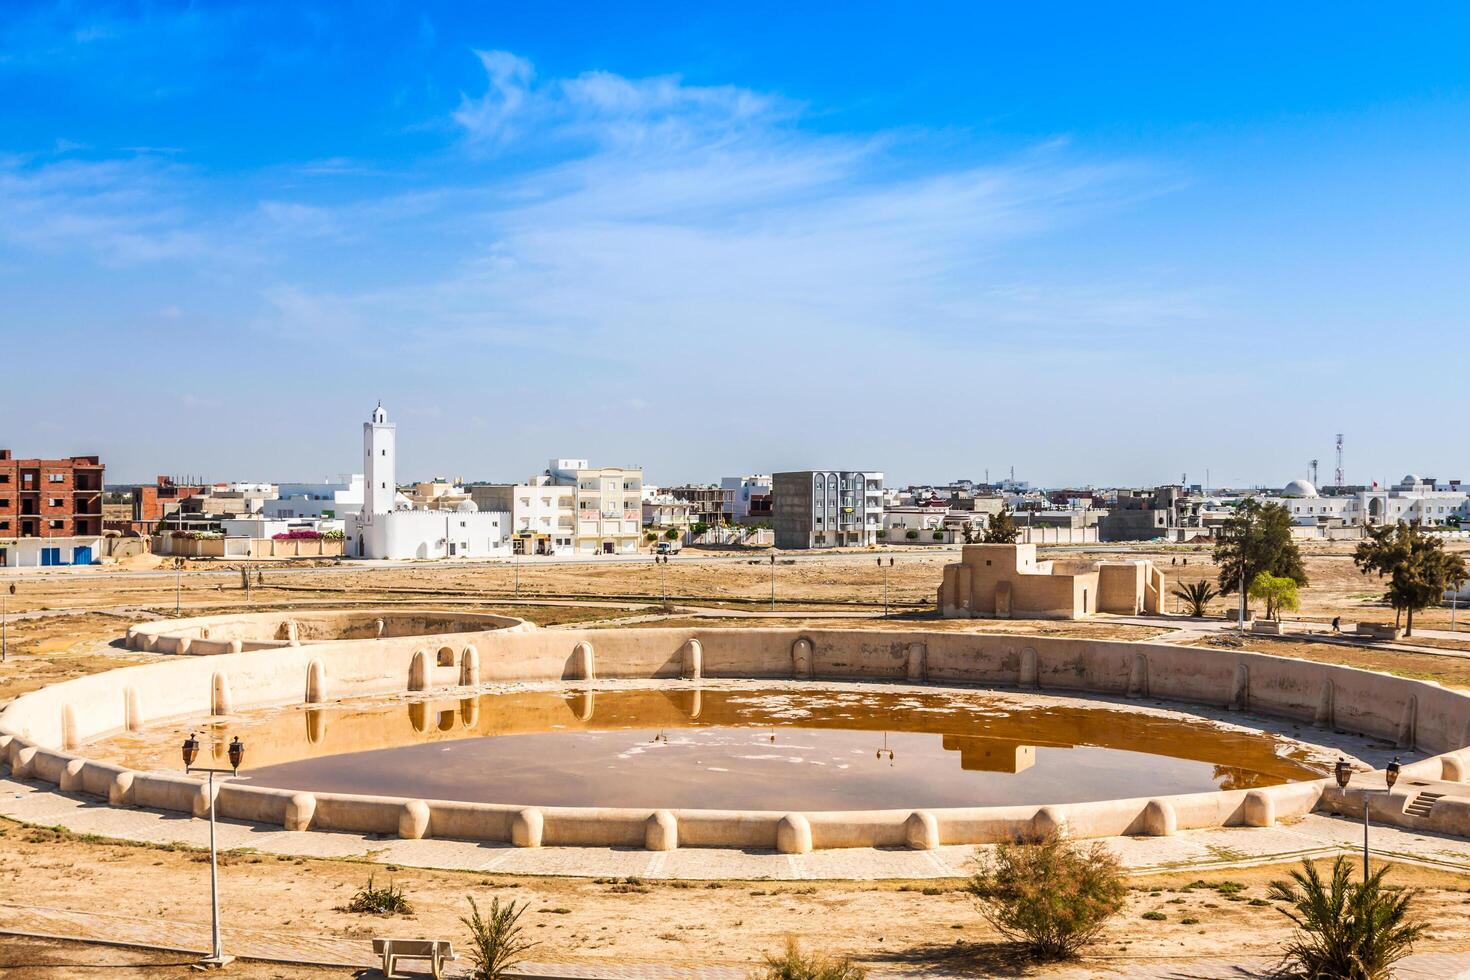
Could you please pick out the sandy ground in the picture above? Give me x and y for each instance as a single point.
(70, 625)
(921, 925)
(25, 959)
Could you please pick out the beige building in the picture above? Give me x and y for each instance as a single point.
(1005, 581)
(608, 505)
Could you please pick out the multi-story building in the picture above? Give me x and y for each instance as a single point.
(542, 514)
(665, 511)
(827, 508)
(608, 503)
(707, 502)
(50, 510)
(747, 499)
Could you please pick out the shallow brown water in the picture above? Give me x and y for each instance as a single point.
(760, 749)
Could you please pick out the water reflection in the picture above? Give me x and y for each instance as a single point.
(686, 747)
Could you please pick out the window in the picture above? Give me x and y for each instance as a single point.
(53, 501)
(4, 525)
(55, 477)
(56, 525)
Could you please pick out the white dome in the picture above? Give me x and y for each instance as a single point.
(1298, 488)
(466, 507)
(1410, 480)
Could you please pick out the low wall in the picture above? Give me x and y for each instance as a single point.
(41, 731)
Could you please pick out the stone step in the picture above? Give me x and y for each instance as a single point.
(1421, 805)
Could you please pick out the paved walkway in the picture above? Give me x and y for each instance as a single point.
(1314, 835)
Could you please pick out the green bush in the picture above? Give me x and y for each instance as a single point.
(651, 536)
(911, 535)
(938, 535)
(1051, 896)
(671, 534)
(369, 900)
(496, 943)
(793, 964)
(1345, 930)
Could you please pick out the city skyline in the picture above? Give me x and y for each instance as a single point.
(1096, 251)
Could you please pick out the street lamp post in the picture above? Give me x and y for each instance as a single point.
(1344, 772)
(178, 587)
(4, 646)
(217, 956)
(773, 583)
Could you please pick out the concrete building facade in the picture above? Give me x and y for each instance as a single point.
(827, 508)
(1005, 581)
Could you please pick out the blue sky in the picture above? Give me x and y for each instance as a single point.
(1114, 245)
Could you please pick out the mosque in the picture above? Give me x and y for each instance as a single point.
(1431, 503)
(391, 525)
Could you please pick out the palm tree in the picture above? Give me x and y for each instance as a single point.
(1344, 930)
(496, 942)
(1196, 595)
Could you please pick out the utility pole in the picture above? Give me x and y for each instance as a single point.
(773, 583)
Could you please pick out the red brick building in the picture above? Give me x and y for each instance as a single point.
(43, 502)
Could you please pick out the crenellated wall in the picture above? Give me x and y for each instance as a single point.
(40, 732)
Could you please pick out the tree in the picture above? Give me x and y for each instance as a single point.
(1001, 528)
(1344, 930)
(1277, 591)
(496, 942)
(1418, 568)
(1048, 894)
(1196, 596)
(672, 534)
(1257, 538)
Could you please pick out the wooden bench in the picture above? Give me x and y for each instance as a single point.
(436, 951)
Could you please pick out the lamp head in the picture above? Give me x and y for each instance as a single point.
(191, 750)
(1343, 772)
(237, 753)
(1391, 774)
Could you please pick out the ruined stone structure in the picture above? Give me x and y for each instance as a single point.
(1004, 581)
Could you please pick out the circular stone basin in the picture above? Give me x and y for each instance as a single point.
(750, 748)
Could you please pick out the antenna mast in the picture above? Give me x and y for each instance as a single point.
(1338, 475)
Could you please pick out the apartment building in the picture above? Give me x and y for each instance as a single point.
(827, 508)
(607, 503)
(747, 499)
(542, 513)
(50, 510)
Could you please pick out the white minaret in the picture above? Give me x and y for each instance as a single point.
(379, 460)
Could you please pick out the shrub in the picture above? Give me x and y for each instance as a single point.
(938, 535)
(1345, 930)
(911, 535)
(1049, 895)
(672, 534)
(882, 535)
(651, 536)
(370, 900)
(793, 964)
(496, 943)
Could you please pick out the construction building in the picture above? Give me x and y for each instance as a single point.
(50, 510)
(827, 508)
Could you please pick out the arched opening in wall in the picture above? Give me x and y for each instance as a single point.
(446, 720)
(446, 657)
